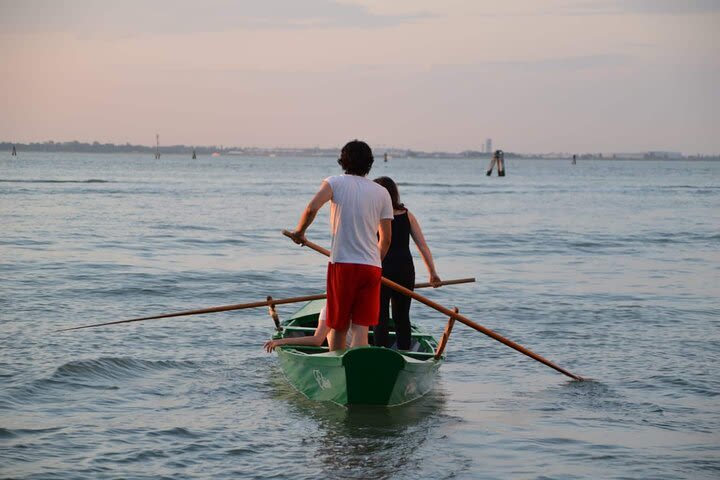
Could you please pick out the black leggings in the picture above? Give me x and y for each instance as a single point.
(405, 276)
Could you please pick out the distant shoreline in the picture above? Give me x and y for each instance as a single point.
(109, 148)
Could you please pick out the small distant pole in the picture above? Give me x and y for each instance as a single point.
(14, 152)
(385, 157)
(194, 156)
(574, 160)
(157, 146)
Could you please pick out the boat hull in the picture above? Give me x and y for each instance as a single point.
(359, 376)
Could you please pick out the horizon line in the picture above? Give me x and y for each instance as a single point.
(222, 148)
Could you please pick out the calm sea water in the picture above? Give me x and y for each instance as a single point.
(609, 269)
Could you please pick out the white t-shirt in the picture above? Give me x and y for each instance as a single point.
(357, 206)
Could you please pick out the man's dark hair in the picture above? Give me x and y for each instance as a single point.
(356, 158)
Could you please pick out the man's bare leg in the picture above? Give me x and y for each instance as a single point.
(336, 339)
(359, 335)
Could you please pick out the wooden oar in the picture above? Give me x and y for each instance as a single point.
(240, 306)
(446, 282)
(455, 315)
(222, 308)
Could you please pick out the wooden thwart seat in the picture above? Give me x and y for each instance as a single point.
(313, 349)
(293, 328)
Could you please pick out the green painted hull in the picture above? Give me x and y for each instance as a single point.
(357, 376)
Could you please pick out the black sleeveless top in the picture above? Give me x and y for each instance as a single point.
(399, 252)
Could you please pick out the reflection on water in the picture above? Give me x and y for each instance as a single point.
(368, 441)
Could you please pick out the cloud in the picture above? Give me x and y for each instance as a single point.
(187, 16)
(649, 7)
(581, 62)
(549, 64)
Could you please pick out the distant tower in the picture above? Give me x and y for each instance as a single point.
(14, 152)
(157, 146)
(488, 145)
(385, 157)
(194, 157)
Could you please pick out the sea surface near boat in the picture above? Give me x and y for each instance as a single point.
(608, 268)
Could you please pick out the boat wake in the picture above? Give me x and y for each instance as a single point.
(104, 373)
(111, 368)
(40, 180)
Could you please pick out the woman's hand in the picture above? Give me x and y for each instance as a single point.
(435, 280)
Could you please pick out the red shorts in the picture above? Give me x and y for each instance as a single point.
(353, 294)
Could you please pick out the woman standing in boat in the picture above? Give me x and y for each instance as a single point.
(398, 266)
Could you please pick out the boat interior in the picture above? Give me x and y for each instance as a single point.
(422, 345)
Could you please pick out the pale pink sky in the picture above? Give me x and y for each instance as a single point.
(535, 75)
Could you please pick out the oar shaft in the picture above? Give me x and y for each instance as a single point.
(477, 326)
(446, 282)
(241, 306)
(456, 316)
(223, 308)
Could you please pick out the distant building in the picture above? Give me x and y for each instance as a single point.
(488, 145)
(650, 155)
(668, 155)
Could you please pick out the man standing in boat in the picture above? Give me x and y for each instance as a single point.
(360, 219)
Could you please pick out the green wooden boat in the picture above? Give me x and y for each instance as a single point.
(357, 376)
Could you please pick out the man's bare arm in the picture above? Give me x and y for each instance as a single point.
(322, 196)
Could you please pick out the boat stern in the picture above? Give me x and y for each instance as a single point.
(380, 376)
